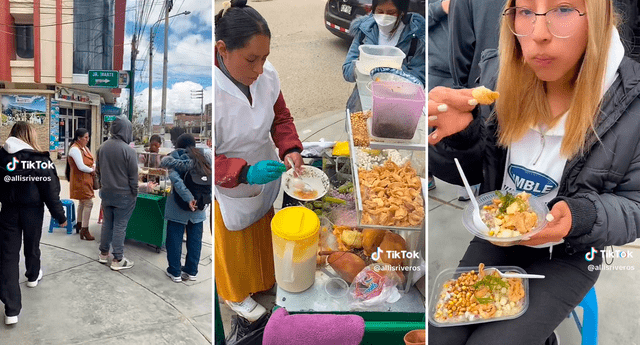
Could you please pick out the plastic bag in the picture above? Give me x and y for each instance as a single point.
(374, 286)
(244, 332)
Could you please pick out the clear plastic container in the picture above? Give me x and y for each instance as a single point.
(397, 108)
(487, 199)
(363, 81)
(372, 56)
(452, 274)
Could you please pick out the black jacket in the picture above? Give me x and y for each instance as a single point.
(43, 189)
(602, 187)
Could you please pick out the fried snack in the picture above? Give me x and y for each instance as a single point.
(509, 215)
(392, 243)
(371, 239)
(391, 195)
(359, 128)
(346, 264)
(484, 95)
(482, 295)
(352, 238)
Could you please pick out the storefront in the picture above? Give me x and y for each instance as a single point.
(77, 109)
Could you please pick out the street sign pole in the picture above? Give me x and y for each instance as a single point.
(134, 53)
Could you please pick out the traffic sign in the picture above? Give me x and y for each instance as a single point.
(108, 79)
(125, 79)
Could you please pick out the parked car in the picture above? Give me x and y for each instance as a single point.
(338, 14)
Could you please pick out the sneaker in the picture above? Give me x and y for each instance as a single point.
(463, 195)
(187, 276)
(174, 278)
(103, 259)
(431, 183)
(10, 320)
(122, 264)
(249, 309)
(35, 283)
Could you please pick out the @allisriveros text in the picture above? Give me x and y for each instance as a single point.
(21, 178)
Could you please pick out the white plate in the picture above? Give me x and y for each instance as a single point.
(315, 177)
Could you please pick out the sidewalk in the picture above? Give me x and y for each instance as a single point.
(80, 301)
(618, 300)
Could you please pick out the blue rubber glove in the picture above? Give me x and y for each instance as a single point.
(264, 172)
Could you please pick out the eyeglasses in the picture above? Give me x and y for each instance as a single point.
(560, 20)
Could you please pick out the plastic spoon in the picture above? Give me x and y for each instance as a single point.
(519, 275)
(297, 182)
(477, 220)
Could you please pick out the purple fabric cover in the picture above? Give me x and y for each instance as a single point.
(313, 329)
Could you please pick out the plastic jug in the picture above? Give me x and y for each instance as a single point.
(397, 108)
(294, 231)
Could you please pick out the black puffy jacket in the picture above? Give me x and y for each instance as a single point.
(601, 187)
(31, 181)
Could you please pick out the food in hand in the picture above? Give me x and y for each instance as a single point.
(484, 95)
(371, 239)
(346, 264)
(479, 295)
(392, 243)
(509, 215)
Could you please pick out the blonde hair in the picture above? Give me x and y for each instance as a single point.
(523, 101)
(25, 132)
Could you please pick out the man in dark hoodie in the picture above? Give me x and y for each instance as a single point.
(117, 168)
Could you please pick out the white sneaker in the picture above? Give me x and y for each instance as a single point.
(10, 320)
(173, 278)
(103, 259)
(35, 283)
(187, 276)
(122, 264)
(249, 309)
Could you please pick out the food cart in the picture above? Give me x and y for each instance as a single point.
(386, 323)
(147, 223)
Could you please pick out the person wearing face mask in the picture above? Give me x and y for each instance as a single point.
(252, 121)
(389, 24)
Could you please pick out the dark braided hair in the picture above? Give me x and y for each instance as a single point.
(239, 24)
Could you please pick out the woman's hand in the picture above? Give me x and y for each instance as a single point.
(297, 162)
(449, 112)
(193, 205)
(556, 230)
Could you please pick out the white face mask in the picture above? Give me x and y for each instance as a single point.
(385, 22)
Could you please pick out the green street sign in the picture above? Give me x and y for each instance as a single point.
(108, 79)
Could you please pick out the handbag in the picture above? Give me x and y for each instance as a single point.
(96, 182)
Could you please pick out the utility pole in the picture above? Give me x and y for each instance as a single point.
(150, 111)
(134, 54)
(169, 4)
(199, 94)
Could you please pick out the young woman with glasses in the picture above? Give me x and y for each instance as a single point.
(567, 119)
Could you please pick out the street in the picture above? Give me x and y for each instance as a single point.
(306, 55)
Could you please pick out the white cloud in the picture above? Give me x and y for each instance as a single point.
(178, 99)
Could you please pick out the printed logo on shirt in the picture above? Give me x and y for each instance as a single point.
(531, 181)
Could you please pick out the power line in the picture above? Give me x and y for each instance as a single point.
(62, 42)
(65, 23)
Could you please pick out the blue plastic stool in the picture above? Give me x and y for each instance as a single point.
(589, 326)
(70, 211)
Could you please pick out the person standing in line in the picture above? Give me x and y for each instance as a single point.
(26, 189)
(181, 161)
(79, 172)
(117, 169)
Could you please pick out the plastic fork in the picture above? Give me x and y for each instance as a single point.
(519, 275)
(477, 220)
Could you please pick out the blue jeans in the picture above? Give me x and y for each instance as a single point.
(117, 210)
(174, 247)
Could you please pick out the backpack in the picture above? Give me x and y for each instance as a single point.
(199, 185)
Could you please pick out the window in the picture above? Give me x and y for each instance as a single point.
(93, 35)
(24, 41)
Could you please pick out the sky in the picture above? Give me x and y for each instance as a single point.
(189, 56)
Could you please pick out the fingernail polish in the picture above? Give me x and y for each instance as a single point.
(434, 136)
(442, 108)
(473, 101)
(433, 118)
